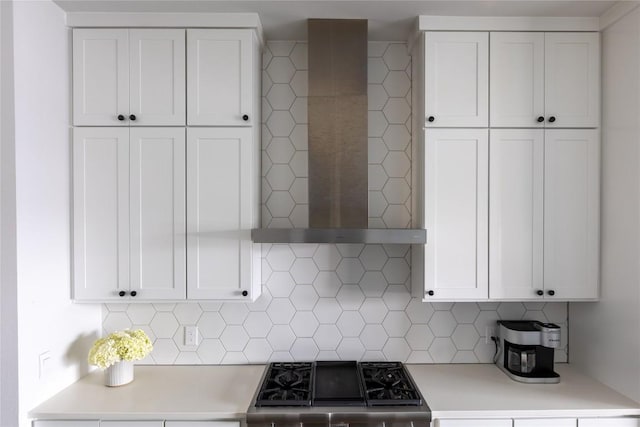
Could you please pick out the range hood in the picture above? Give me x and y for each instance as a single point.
(338, 143)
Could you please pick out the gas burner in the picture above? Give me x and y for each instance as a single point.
(387, 383)
(287, 384)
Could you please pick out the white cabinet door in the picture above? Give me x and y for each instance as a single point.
(201, 424)
(158, 226)
(219, 213)
(546, 422)
(456, 79)
(572, 79)
(517, 79)
(608, 422)
(516, 213)
(571, 213)
(456, 210)
(131, 423)
(100, 77)
(100, 213)
(219, 77)
(473, 423)
(66, 423)
(157, 58)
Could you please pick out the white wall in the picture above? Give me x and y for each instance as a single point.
(47, 320)
(605, 336)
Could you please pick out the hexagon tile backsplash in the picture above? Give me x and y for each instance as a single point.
(331, 301)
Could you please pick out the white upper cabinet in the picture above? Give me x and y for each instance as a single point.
(220, 84)
(125, 77)
(456, 79)
(545, 80)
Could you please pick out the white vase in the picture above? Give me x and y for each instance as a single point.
(119, 373)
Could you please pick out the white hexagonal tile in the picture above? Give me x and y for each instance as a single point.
(234, 338)
(188, 313)
(556, 312)
(465, 312)
(350, 250)
(377, 150)
(442, 350)
(300, 192)
(281, 97)
(397, 349)
(300, 83)
(115, 307)
(281, 70)
(374, 356)
(266, 164)
(511, 310)
(258, 350)
(486, 319)
(266, 83)
(377, 177)
(280, 150)
(327, 310)
(210, 305)
(281, 284)
(304, 297)
(280, 257)
(211, 324)
(117, 321)
(179, 341)
(281, 48)
(396, 56)
(419, 357)
(396, 137)
(164, 351)
(396, 323)
(280, 223)
(350, 270)
(350, 323)
(396, 270)
(442, 306)
(419, 337)
(164, 325)
(396, 216)
(327, 284)
(418, 311)
(262, 302)
(396, 297)
(350, 349)
(373, 257)
(281, 311)
(304, 271)
(396, 251)
(300, 216)
(396, 164)
(280, 204)
(266, 58)
(484, 352)
(299, 110)
(300, 164)
(281, 123)
(396, 111)
(327, 337)
(535, 315)
(373, 284)
(280, 177)
(234, 358)
(350, 297)
(140, 313)
(266, 112)
(299, 137)
(464, 356)
(374, 337)
(281, 337)
(257, 324)
(396, 190)
(234, 313)
(396, 83)
(488, 305)
(304, 349)
(377, 204)
(211, 351)
(373, 310)
(187, 358)
(465, 337)
(166, 307)
(377, 97)
(299, 56)
(442, 323)
(376, 49)
(327, 257)
(304, 324)
(376, 70)
(377, 124)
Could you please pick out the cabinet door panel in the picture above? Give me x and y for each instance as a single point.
(456, 188)
(456, 79)
(100, 77)
(100, 212)
(516, 213)
(571, 213)
(131, 423)
(517, 79)
(157, 59)
(218, 213)
(608, 422)
(66, 423)
(201, 424)
(473, 423)
(158, 226)
(546, 422)
(572, 79)
(219, 85)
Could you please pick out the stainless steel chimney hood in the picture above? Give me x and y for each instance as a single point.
(338, 141)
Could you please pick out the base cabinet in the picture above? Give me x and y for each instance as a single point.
(473, 423)
(137, 423)
(540, 422)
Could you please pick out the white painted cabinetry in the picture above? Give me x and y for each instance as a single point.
(608, 422)
(544, 80)
(473, 423)
(128, 77)
(540, 422)
(131, 423)
(546, 422)
(456, 79)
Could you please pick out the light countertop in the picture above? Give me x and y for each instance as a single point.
(224, 392)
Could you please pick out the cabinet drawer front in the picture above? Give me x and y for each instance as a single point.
(546, 422)
(202, 424)
(608, 422)
(473, 423)
(131, 423)
(66, 423)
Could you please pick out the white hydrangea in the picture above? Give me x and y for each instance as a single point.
(120, 345)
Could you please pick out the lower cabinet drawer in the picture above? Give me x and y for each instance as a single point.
(66, 423)
(473, 423)
(201, 424)
(609, 422)
(131, 423)
(546, 422)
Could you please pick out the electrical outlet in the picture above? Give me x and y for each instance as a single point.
(489, 332)
(191, 335)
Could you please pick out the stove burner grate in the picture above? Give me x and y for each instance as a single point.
(287, 384)
(388, 383)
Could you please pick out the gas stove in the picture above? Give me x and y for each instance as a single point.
(338, 393)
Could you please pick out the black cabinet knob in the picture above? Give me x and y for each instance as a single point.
(120, 117)
(539, 292)
(134, 293)
(552, 119)
(430, 293)
(540, 119)
(245, 118)
(245, 293)
(551, 292)
(132, 117)
(122, 293)
(431, 118)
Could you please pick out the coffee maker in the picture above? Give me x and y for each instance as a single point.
(526, 349)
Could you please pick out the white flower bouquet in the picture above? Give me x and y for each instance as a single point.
(118, 346)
